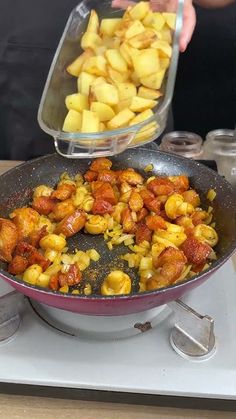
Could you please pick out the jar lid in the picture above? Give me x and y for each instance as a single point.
(221, 142)
(219, 133)
(187, 144)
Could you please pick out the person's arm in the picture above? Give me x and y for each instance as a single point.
(213, 3)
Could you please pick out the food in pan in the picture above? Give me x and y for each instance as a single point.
(120, 71)
(167, 237)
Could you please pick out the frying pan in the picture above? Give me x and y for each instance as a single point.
(16, 190)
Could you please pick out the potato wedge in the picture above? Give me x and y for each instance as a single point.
(146, 133)
(134, 28)
(76, 66)
(93, 23)
(98, 80)
(106, 93)
(125, 52)
(72, 122)
(135, 79)
(115, 76)
(128, 52)
(163, 47)
(154, 81)
(158, 33)
(104, 111)
(126, 15)
(165, 63)
(122, 104)
(143, 40)
(102, 127)
(95, 65)
(146, 62)
(116, 42)
(121, 119)
(109, 26)
(166, 34)
(170, 19)
(139, 11)
(109, 42)
(90, 122)
(149, 93)
(84, 82)
(147, 21)
(126, 90)
(141, 117)
(116, 61)
(158, 21)
(154, 20)
(77, 101)
(90, 40)
(100, 50)
(123, 27)
(140, 104)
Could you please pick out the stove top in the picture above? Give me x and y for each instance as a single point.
(146, 363)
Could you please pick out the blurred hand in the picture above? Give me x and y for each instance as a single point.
(189, 16)
(189, 23)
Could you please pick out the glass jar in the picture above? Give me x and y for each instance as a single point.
(52, 110)
(183, 143)
(220, 145)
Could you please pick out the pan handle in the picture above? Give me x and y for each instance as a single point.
(193, 334)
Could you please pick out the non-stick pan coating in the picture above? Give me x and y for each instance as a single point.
(16, 190)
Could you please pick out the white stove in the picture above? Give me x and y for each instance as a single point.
(115, 356)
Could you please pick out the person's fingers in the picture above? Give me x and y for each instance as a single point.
(122, 4)
(163, 5)
(189, 23)
(158, 5)
(189, 16)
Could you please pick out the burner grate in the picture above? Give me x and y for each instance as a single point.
(101, 328)
(192, 336)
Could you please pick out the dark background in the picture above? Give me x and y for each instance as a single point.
(205, 92)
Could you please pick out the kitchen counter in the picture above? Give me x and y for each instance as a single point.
(7, 165)
(19, 407)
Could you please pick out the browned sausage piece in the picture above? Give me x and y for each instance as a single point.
(71, 224)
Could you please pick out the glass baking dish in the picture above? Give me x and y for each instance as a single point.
(59, 84)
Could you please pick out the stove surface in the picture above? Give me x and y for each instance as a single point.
(145, 363)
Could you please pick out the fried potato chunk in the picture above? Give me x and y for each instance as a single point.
(25, 220)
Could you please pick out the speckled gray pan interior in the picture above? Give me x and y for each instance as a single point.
(17, 184)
